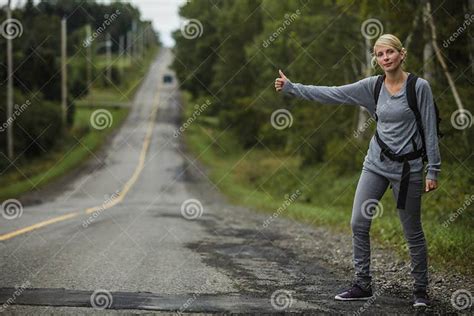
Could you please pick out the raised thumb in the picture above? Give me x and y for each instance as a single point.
(282, 75)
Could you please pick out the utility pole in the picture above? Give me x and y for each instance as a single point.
(89, 55)
(108, 45)
(9, 88)
(120, 54)
(64, 70)
(129, 46)
(134, 40)
(144, 34)
(142, 41)
(120, 50)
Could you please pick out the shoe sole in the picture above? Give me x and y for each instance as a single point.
(339, 298)
(420, 305)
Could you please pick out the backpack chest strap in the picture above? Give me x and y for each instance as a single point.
(405, 178)
(386, 151)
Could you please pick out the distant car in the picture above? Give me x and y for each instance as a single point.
(167, 79)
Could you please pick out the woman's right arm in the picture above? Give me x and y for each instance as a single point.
(357, 93)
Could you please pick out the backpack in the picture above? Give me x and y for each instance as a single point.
(412, 103)
(416, 153)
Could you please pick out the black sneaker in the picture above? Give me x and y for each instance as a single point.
(421, 299)
(355, 293)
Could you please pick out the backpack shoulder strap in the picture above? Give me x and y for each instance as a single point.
(413, 104)
(378, 87)
(411, 93)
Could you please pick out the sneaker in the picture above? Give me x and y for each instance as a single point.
(421, 299)
(355, 293)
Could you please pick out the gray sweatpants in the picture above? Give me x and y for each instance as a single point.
(366, 207)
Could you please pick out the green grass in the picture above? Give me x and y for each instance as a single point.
(134, 73)
(67, 155)
(96, 96)
(121, 61)
(260, 179)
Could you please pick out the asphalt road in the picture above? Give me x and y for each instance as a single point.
(114, 235)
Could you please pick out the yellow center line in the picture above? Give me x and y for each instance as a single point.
(38, 225)
(108, 204)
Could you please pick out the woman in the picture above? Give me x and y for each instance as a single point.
(397, 130)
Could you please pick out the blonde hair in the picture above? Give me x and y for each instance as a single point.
(391, 41)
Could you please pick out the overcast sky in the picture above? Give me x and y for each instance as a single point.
(163, 13)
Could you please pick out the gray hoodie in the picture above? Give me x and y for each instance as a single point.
(396, 123)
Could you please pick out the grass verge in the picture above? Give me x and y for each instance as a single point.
(68, 154)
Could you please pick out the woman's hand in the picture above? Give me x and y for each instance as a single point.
(430, 185)
(279, 82)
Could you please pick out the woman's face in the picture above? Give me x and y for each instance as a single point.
(388, 57)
